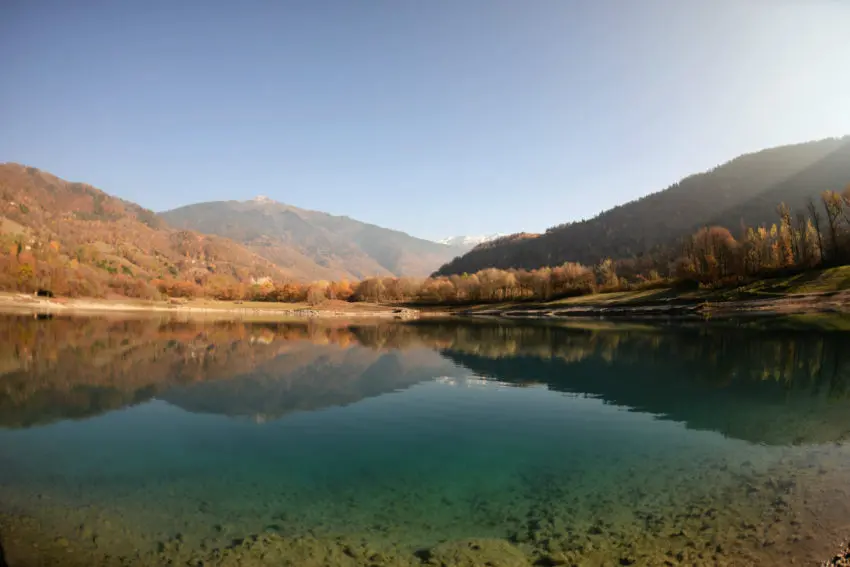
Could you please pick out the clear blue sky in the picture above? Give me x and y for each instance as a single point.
(435, 117)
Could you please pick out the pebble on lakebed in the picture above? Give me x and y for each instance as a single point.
(842, 559)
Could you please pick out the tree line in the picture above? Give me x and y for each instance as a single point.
(817, 236)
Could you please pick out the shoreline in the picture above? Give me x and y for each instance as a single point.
(830, 310)
(815, 310)
(25, 303)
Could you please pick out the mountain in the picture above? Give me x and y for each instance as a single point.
(75, 239)
(745, 190)
(468, 242)
(83, 241)
(315, 244)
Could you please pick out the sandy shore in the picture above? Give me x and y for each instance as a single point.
(25, 303)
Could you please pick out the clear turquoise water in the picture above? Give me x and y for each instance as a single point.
(599, 446)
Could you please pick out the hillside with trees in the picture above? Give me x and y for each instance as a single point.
(319, 245)
(72, 239)
(812, 245)
(713, 230)
(743, 192)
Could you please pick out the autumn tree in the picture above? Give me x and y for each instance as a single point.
(833, 205)
(711, 254)
(340, 290)
(606, 273)
(786, 236)
(490, 282)
(370, 289)
(438, 290)
(525, 282)
(815, 219)
(468, 287)
(317, 292)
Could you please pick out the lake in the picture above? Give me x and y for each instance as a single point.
(156, 441)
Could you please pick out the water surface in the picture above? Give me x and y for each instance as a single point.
(149, 441)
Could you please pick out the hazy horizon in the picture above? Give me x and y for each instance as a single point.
(435, 119)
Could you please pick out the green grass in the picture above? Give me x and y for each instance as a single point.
(833, 279)
(817, 281)
(830, 280)
(611, 298)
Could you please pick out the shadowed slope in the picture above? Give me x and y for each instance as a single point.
(746, 189)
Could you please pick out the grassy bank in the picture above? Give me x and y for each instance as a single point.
(819, 297)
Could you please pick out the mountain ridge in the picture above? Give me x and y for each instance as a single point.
(74, 238)
(340, 246)
(469, 242)
(744, 190)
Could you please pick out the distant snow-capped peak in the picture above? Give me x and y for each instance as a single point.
(468, 241)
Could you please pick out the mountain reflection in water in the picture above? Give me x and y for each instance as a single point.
(775, 388)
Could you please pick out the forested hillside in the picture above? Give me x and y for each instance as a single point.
(316, 244)
(742, 192)
(73, 239)
(775, 211)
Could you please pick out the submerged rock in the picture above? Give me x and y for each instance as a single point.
(842, 559)
(475, 553)
(272, 549)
